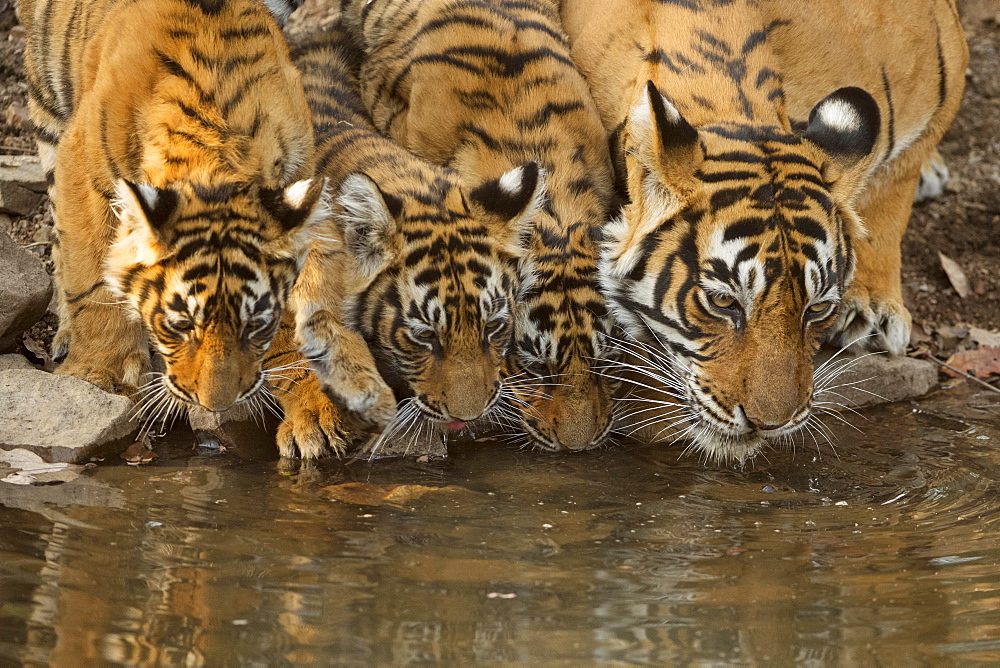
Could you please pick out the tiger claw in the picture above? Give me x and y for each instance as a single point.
(872, 322)
(312, 427)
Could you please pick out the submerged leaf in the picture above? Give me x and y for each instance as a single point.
(365, 494)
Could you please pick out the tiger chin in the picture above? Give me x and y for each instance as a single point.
(769, 182)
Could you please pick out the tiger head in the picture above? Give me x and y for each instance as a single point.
(444, 267)
(208, 270)
(729, 263)
(557, 386)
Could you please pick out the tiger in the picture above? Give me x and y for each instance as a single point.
(427, 270)
(481, 87)
(769, 151)
(178, 148)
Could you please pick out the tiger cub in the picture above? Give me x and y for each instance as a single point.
(771, 151)
(178, 145)
(481, 87)
(425, 269)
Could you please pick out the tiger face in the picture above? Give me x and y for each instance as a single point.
(728, 266)
(211, 295)
(560, 394)
(445, 270)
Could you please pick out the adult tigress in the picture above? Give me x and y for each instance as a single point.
(425, 269)
(482, 87)
(178, 145)
(770, 150)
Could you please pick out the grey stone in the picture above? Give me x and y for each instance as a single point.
(18, 200)
(868, 380)
(8, 362)
(25, 291)
(235, 429)
(432, 446)
(61, 418)
(23, 170)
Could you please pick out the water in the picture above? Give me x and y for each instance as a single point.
(886, 553)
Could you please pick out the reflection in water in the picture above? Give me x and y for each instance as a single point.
(885, 553)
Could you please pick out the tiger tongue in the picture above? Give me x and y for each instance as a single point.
(455, 425)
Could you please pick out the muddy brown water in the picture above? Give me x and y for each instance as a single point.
(885, 553)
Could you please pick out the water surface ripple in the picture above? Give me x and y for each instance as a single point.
(883, 552)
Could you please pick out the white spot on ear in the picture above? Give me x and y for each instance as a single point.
(295, 194)
(673, 115)
(510, 182)
(150, 195)
(839, 115)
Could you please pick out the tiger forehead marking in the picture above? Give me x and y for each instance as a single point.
(770, 218)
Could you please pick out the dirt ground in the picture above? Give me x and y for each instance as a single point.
(964, 223)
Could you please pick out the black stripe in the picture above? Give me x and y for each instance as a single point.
(892, 113)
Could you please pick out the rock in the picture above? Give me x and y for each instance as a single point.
(17, 116)
(18, 200)
(6, 224)
(25, 291)
(61, 418)
(878, 379)
(23, 170)
(432, 447)
(8, 362)
(234, 429)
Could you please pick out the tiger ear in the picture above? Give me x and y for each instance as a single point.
(662, 154)
(296, 206)
(510, 204)
(845, 126)
(368, 222)
(145, 213)
(282, 9)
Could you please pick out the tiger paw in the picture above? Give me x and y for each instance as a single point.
(934, 176)
(345, 367)
(312, 426)
(114, 375)
(872, 321)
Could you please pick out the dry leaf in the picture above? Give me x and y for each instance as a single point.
(955, 275)
(139, 452)
(982, 337)
(979, 363)
(38, 350)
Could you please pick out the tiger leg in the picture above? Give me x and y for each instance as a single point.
(48, 128)
(345, 367)
(873, 316)
(109, 347)
(312, 426)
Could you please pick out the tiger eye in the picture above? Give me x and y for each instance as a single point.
(818, 307)
(722, 301)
